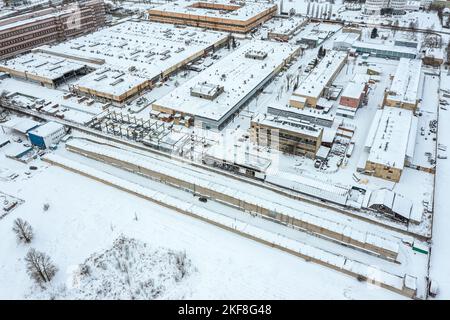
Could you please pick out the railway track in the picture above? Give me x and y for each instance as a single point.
(137, 146)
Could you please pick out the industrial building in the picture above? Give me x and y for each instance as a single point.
(47, 134)
(316, 83)
(381, 50)
(140, 53)
(44, 69)
(241, 74)
(345, 41)
(404, 90)
(286, 134)
(391, 203)
(282, 29)
(111, 84)
(20, 125)
(26, 31)
(311, 115)
(230, 16)
(353, 95)
(390, 143)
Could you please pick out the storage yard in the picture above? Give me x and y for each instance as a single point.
(245, 132)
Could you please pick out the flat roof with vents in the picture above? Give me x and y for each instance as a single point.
(321, 75)
(241, 78)
(40, 67)
(150, 49)
(389, 136)
(110, 83)
(222, 9)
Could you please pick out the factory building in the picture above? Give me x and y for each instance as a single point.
(288, 135)
(390, 143)
(230, 16)
(345, 41)
(282, 29)
(44, 69)
(216, 95)
(380, 50)
(24, 32)
(47, 134)
(316, 83)
(311, 115)
(133, 56)
(404, 89)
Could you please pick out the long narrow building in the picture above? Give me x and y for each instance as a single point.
(231, 16)
(314, 85)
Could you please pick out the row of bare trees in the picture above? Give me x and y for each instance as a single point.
(39, 266)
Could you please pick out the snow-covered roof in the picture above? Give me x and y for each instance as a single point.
(147, 48)
(347, 38)
(284, 26)
(314, 187)
(323, 152)
(391, 138)
(238, 75)
(110, 81)
(47, 129)
(405, 85)
(353, 90)
(241, 11)
(307, 112)
(321, 75)
(402, 206)
(288, 124)
(22, 125)
(41, 65)
(384, 47)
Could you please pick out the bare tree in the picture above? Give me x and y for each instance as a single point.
(39, 266)
(23, 230)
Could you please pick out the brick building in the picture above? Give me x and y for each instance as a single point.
(26, 31)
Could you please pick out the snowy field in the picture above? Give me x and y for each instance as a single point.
(83, 220)
(103, 240)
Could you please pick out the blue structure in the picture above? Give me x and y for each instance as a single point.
(36, 140)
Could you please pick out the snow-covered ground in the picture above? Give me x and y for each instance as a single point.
(440, 250)
(85, 217)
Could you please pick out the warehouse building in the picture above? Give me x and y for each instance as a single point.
(288, 135)
(404, 89)
(345, 41)
(282, 29)
(138, 52)
(230, 16)
(321, 77)
(19, 126)
(380, 50)
(47, 134)
(44, 69)
(392, 204)
(311, 115)
(111, 85)
(390, 143)
(232, 81)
